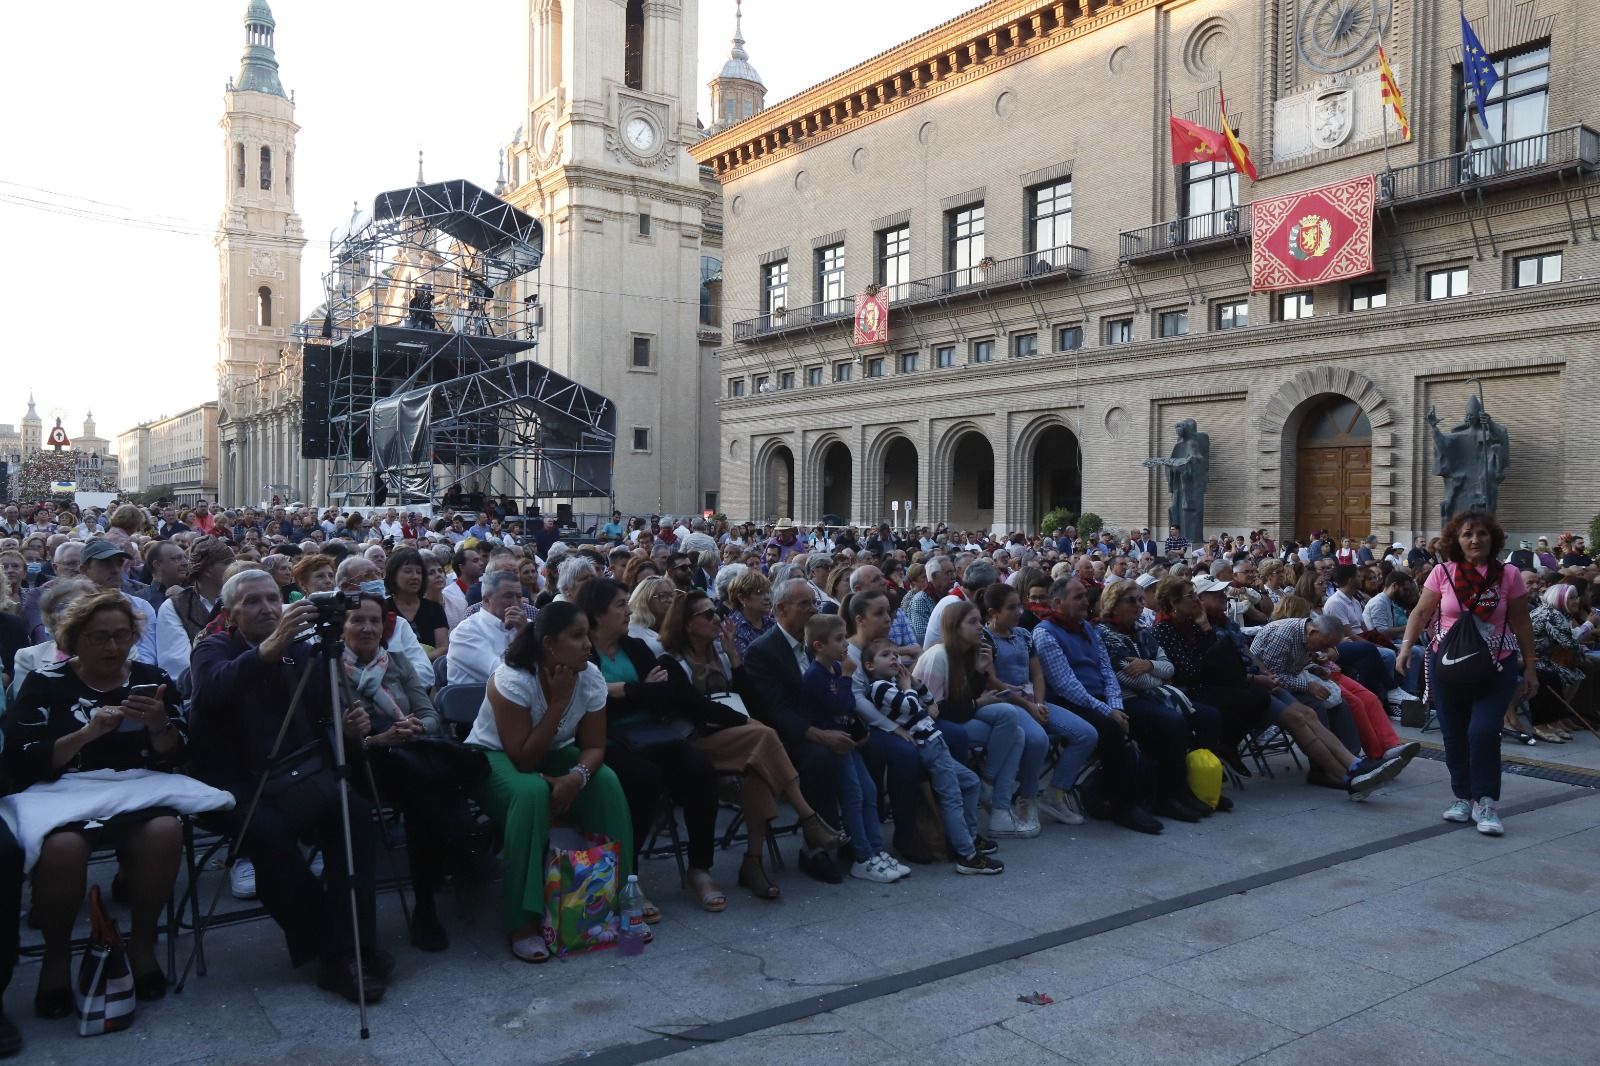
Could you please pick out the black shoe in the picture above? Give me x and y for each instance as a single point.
(980, 864)
(339, 975)
(985, 846)
(912, 851)
(427, 933)
(817, 866)
(52, 1003)
(1139, 820)
(1404, 751)
(1371, 775)
(1177, 811)
(378, 963)
(1195, 803)
(1224, 804)
(10, 1038)
(150, 987)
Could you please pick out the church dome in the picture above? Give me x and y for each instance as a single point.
(738, 64)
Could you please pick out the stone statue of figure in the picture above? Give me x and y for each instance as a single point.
(1187, 472)
(1472, 458)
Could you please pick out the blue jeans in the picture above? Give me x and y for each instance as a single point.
(1002, 727)
(1081, 739)
(1469, 722)
(858, 805)
(956, 788)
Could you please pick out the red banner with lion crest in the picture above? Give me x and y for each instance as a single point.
(1313, 237)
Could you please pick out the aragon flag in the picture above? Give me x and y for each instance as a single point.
(1313, 237)
(1192, 143)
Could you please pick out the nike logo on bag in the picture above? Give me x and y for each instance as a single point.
(1445, 660)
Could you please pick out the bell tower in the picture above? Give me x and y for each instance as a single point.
(259, 241)
(600, 160)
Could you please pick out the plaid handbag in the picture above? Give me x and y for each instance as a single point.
(104, 992)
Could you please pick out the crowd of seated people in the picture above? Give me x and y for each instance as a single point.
(851, 676)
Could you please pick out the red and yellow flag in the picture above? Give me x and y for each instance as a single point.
(1391, 94)
(1236, 149)
(1195, 144)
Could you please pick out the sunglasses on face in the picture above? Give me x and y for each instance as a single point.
(709, 612)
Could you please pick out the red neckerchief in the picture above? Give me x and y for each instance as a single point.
(1470, 587)
(1081, 628)
(955, 590)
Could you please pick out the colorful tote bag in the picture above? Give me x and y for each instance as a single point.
(582, 875)
(104, 992)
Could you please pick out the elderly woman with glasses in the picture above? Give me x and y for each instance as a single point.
(647, 606)
(98, 711)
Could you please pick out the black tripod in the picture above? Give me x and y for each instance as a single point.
(330, 648)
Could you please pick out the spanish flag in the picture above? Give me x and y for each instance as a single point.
(1236, 149)
(1391, 94)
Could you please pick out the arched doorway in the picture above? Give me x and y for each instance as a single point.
(1057, 473)
(972, 483)
(899, 481)
(1333, 469)
(779, 484)
(837, 477)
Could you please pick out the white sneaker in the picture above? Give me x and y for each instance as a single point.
(985, 794)
(1487, 815)
(873, 870)
(1396, 697)
(1027, 821)
(894, 865)
(242, 879)
(1459, 811)
(1003, 824)
(1054, 803)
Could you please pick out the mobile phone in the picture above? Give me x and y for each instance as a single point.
(144, 690)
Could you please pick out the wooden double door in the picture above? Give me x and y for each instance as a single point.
(1333, 472)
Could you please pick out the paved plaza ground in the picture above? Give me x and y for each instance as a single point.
(1301, 929)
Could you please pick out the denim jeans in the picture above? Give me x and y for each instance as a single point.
(1469, 722)
(1002, 727)
(1081, 739)
(956, 788)
(858, 804)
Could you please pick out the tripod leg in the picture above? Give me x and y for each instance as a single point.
(342, 770)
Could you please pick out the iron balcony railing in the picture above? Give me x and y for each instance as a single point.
(989, 274)
(1229, 225)
(1575, 148)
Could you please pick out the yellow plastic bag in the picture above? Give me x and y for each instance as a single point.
(1205, 777)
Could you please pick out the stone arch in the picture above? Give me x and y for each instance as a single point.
(774, 473)
(1027, 507)
(831, 461)
(887, 477)
(1279, 428)
(964, 468)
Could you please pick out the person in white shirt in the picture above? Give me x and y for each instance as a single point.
(979, 575)
(468, 568)
(390, 527)
(102, 562)
(1345, 604)
(479, 643)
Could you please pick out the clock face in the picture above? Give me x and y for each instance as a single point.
(641, 134)
(1336, 35)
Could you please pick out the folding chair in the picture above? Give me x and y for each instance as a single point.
(458, 705)
(1266, 742)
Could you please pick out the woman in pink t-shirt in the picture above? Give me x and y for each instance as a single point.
(1471, 580)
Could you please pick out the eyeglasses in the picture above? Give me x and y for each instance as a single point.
(661, 596)
(104, 640)
(709, 612)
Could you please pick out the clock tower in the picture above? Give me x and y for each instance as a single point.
(600, 160)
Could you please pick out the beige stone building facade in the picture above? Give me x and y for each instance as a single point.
(1062, 294)
(178, 453)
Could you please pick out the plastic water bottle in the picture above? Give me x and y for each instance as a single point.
(631, 941)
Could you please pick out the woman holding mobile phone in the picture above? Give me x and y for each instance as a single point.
(98, 711)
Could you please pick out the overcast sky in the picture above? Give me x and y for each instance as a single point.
(111, 183)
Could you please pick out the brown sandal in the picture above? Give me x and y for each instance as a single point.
(753, 877)
(820, 834)
(702, 889)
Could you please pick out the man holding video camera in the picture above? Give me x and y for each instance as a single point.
(244, 681)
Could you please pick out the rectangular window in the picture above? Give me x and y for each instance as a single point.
(894, 261)
(908, 362)
(944, 355)
(763, 383)
(1293, 306)
(786, 379)
(813, 375)
(1232, 314)
(641, 353)
(1369, 295)
(1207, 192)
(644, 224)
(641, 439)
(1024, 345)
(1069, 338)
(1447, 284)
(1119, 330)
(775, 291)
(1172, 323)
(1050, 216)
(981, 352)
(830, 279)
(711, 502)
(841, 371)
(735, 388)
(964, 245)
(875, 367)
(266, 168)
(1542, 269)
(1518, 107)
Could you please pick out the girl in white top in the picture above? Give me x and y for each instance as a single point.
(543, 728)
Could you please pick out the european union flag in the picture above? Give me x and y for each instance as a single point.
(1477, 70)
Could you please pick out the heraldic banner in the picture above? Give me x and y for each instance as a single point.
(872, 319)
(1313, 237)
